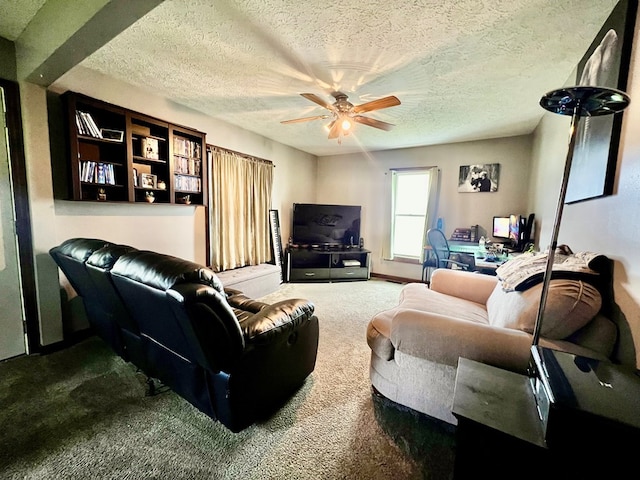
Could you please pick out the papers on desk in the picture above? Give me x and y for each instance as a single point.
(489, 260)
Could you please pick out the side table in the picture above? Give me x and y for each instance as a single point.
(591, 427)
(499, 434)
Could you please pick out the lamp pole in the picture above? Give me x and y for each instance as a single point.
(580, 101)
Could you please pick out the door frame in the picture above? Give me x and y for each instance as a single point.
(23, 213)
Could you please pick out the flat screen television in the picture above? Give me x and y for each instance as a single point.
(317, 225)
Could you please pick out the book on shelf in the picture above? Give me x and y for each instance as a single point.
(186, 148)
(97, 172)
(187, 165)
(150, 148)
(86, 125)
(187, 184)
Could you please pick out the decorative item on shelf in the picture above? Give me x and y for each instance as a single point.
(184, 199)
(162, 185)
(148, 180)
(102, 195)
(112, 135)
(149, 197)
(150, 148)
(135, 177)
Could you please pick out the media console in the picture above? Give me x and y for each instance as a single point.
(330, 264)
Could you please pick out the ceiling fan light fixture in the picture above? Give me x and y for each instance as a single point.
(344, 114)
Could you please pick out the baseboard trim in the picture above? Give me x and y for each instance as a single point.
(394, 279)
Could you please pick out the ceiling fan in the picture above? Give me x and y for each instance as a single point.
(344, 113)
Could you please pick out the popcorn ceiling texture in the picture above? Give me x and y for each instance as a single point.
(15, 16)
(463, 70)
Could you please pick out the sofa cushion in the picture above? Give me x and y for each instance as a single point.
(418, 296)
(570, 305)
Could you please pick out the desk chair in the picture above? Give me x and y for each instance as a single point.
(439, 256)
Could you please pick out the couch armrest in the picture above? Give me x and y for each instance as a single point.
(281, 318)
(444, 339)
(239, 300)
(474, 287)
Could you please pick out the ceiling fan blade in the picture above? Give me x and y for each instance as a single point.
(335, 130)
(318, 100)
(385, 102)
(372, 122)
(305, 119)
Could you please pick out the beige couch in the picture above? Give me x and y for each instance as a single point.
(415, 346)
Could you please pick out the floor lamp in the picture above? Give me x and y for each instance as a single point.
(581, 101)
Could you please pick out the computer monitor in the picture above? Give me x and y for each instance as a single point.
(501, 228)
(515, 229)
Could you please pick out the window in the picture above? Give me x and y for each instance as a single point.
(410, 202)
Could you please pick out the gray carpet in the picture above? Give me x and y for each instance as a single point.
(82, 413)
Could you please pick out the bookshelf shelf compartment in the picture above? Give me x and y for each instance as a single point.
(164, 153)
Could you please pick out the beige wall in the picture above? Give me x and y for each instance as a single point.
(359, 179)
(608, 225)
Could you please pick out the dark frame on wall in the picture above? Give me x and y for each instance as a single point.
(605, 64)
(479, 178)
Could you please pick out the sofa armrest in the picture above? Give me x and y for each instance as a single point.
(444, 339)
(239, 300)
(471, 286)
(275, 320)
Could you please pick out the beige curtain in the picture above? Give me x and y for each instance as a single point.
(431, 219)
(241, 195)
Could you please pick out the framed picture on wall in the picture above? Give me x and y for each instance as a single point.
(479, 178)
(606, 64)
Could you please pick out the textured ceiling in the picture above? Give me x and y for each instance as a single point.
(463, 69)
(15, 15)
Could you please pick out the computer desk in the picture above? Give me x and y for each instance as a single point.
(472, 248)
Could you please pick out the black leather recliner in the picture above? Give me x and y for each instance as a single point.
(71, 256)
(234, 358)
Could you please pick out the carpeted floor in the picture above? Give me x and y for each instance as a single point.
(82, 413)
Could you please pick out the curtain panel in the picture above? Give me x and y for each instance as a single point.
(241, 194)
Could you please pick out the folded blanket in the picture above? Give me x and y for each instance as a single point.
(526, 270)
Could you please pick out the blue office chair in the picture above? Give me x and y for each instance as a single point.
(439, 256)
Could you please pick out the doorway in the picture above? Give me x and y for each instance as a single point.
(19, 329)
(12, 338)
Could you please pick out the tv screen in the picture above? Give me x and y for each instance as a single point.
(320, 225)
(501, 227)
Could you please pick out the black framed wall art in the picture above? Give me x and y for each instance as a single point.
(479, 178)
(605, 64)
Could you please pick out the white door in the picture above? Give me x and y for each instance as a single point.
(12, 334)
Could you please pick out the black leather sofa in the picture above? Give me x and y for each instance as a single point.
(234, 358)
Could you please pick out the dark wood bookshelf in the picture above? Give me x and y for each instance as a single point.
(151, 149)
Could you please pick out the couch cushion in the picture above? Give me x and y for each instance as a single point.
(418, 296)
(571, 304)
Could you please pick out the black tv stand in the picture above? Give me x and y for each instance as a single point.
(332, 263)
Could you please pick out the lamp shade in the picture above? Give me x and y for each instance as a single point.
(590, 101)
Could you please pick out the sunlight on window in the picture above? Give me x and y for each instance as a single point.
(410, 200)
